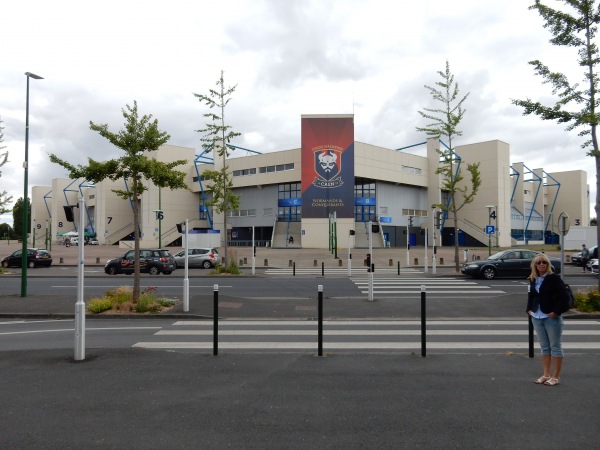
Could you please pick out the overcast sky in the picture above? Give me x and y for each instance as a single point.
(371, 58)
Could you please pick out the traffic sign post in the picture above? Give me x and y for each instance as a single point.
(489, 230)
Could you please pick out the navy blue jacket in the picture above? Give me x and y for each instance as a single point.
(551, 298)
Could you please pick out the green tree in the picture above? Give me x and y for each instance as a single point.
(5, 199)
(18, 217)
(217, 136)
(444, 123)
(573, 26)
(137, 139)
(5, 231)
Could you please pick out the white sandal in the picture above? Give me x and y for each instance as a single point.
(552, 381)
(542, 379)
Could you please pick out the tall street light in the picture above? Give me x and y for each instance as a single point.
(25, 189)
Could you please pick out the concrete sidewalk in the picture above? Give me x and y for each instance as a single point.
(95, 255)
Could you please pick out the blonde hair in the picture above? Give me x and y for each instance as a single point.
(534, 271)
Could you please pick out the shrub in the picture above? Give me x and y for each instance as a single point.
(120, 299)
(121, 294)
(232, 268)
(589, 302)
(146, 304)
(99, 305)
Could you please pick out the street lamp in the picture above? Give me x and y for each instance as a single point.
(25, 189)
(490, 207)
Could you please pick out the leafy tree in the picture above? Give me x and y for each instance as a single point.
(445, 121)
(577, 106)
(217, 136)
(4, 197)
(139, 137)
(18, 217)
(5, 231)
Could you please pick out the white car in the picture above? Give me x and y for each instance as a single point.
(592, 265)
(198, 257)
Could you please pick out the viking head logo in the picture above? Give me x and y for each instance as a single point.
(327, 163)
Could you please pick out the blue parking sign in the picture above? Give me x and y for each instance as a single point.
(489, 229)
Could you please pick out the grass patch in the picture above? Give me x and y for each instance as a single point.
(120, 300)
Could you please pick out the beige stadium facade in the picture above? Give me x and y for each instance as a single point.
(525, 203)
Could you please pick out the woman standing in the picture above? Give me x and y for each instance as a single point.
(545, 304)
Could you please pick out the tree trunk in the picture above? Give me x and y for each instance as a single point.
(456, 244)
(597, 206)
(225, 209)
(136, 237)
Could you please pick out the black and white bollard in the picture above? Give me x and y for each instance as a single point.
(423, 321)
(216, 320)
(320, 318)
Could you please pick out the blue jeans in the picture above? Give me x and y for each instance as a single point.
(549, 333)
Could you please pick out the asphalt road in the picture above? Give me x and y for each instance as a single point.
(143, 398)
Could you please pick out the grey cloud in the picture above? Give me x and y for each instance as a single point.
(304, 41)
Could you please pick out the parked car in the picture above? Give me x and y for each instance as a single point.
(507, 263)
(592, 265)
(35, 258)
(576, 257)
(198, 257)
(152, 261)
(92, 241)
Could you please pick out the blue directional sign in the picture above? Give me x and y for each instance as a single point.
(489, 229)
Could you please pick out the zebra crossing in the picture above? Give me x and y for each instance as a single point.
(445, 287)
(448, 336)
(335, 271)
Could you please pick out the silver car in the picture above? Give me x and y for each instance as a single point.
(198, 257)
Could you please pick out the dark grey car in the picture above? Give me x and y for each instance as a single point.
(507, 263)
(153, 261)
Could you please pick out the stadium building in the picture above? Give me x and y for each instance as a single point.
(326, 193)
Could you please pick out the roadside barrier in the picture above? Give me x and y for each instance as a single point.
(320, 320)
